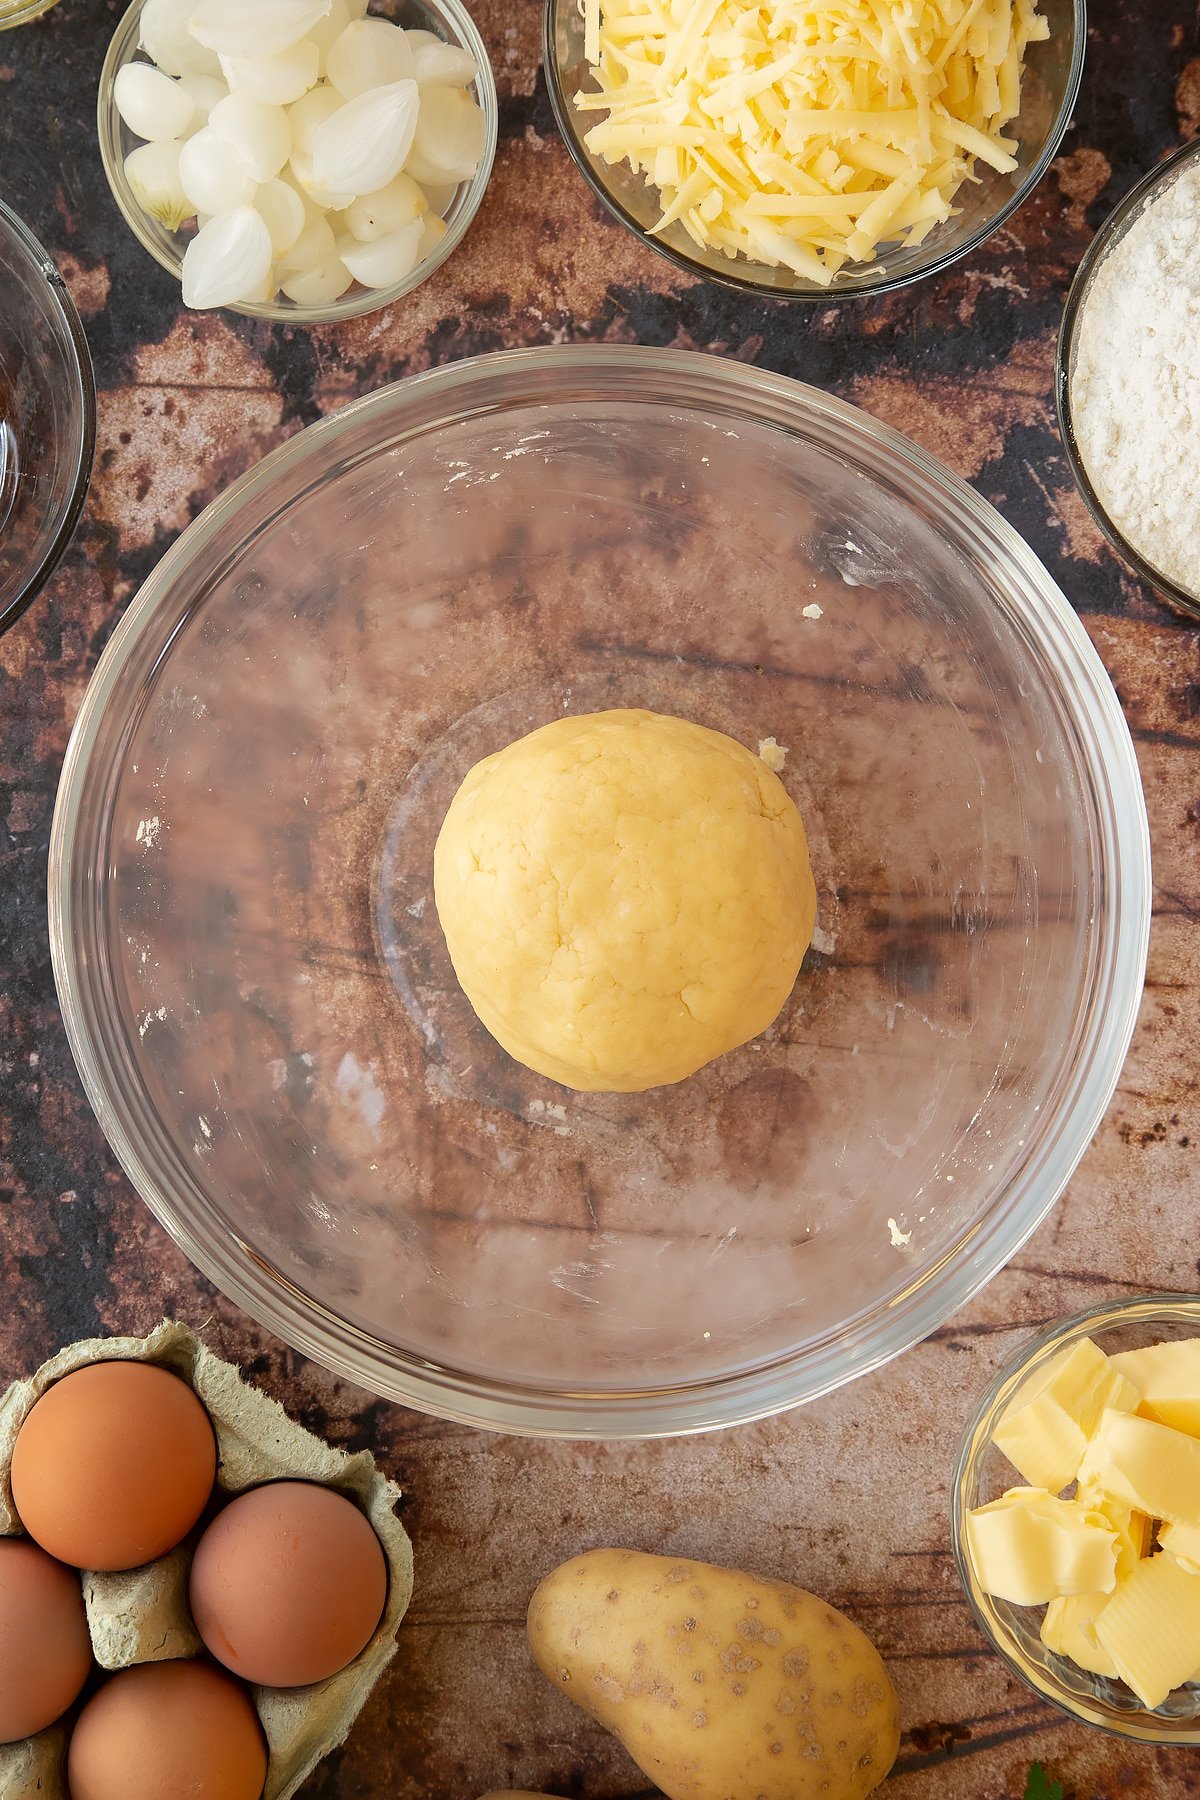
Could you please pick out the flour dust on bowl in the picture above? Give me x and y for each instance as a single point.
(257, 988)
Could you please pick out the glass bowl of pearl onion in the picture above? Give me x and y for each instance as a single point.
(224, 126)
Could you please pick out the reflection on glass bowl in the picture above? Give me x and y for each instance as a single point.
(257, 988)
(983, 1473)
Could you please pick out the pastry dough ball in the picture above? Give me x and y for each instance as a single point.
(624, 897)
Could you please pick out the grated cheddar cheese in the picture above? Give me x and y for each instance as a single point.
(806, 133)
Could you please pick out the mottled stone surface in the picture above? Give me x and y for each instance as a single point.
(849, 1496)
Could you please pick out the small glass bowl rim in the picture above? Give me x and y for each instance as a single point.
(123, 48)
(560, 103)
(40, 261)
(1109, 234)
(24, 15)
(976, 1439)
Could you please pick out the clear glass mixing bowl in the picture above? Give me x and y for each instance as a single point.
(255, 983)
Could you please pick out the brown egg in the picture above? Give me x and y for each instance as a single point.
(45, 1651)
(163, 1730)
(114, 1465)
(288, 1584)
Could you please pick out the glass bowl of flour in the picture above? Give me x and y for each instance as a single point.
(1128, 378)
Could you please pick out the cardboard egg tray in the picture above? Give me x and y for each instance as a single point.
(142, 1616)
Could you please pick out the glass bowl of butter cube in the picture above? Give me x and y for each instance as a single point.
(1076, 1516)
(806, 152)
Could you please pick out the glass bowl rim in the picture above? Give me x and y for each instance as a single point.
(123, 47)
(560, 104)
(1107, 1023)
(24, 12)
(1106, 1314)
(1108, 235)
(39, 262)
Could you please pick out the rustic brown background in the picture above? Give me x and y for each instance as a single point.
(848, 1497)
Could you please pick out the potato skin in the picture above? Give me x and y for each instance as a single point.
(721, 1686)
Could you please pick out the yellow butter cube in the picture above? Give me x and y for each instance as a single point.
(1045, 1430)
(1167, 1376)
(1183, 1543)
(1133, 1530)
(1029, 1547)
(1151, 1628)
(1147, 1466)
(1069, 1629)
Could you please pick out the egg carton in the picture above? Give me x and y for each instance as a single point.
(143, 1616)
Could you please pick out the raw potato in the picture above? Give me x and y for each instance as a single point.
(721, 1686)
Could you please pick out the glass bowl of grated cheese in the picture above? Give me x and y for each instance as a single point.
(165, 218)
(802, 152)
(984, 1473)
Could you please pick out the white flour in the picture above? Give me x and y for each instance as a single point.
(1135, 387)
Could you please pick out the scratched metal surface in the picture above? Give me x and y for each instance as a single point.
(848, 1497)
